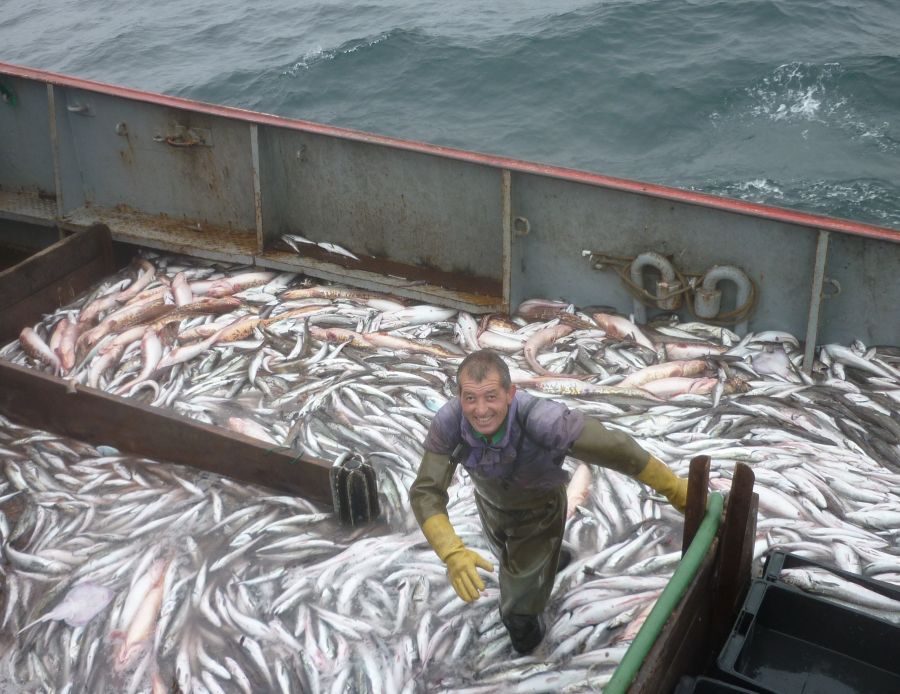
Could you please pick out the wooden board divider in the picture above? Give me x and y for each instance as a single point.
(42, 401)
(53, 277)
(698, 492)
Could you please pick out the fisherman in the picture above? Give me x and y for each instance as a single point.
(513, 445)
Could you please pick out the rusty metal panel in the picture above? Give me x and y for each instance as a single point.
(153, 159)
(566, 219)
(26, 160)
(861, 292)
(165, 233)
(407, 207)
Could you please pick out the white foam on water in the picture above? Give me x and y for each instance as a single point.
(309, 58)
(802, 92)
(798, 91)
(319, 55)
(761, 186)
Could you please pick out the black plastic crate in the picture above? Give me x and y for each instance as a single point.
(708, 685)
(785, 640)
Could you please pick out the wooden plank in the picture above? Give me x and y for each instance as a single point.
(739, 514)
(683, 646)
(54, 276)
(698, 491)
(746, 560)
(46, 402)
(47, 266)
(30, 310)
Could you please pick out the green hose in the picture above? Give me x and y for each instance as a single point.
(668, 599)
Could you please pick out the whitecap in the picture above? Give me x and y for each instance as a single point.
(797, 91)
(319, 55)
(311, 57)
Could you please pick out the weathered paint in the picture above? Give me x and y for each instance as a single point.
(437, 224)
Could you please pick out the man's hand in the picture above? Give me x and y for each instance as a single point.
(461, 562)
(463, 576)
(659, 477)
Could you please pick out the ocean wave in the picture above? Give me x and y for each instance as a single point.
(869, 200)
(318, 54)
(797, 91)
(834, 95)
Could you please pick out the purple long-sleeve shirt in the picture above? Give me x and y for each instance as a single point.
(524, 459)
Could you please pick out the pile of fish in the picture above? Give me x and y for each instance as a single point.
(131, 575)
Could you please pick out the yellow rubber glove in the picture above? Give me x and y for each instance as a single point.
(659, 477)
(461, 562)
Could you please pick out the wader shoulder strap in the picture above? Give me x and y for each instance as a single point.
(522, 417)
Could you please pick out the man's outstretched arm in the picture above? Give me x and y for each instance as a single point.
(617, 451)
(428, 497)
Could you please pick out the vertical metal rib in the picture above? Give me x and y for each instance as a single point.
(815, 301)
(257, 191)
(506, 226)
(54, 148)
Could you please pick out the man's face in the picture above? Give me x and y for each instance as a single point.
(485, 403)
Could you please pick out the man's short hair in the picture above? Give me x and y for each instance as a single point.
(479, 364)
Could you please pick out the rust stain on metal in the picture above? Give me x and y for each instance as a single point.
(127, 154)
(194, 237)
(178, 234)
(486, 288)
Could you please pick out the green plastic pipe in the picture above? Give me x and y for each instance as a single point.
(669, 598)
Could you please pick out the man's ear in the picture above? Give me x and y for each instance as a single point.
(511, 393)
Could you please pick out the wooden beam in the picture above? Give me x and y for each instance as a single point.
(29, 311)
(746, 560)
(698, 491)
(693, 634)
(53, 277)
(38, 400)
(733, 568)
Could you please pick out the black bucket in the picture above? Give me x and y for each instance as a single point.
(354, 491)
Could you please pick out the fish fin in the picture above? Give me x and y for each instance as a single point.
(44, 618)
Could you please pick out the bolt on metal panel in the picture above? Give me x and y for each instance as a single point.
(157, 160)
